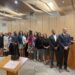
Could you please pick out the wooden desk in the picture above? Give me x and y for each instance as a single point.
(71, 61)
(10, 71)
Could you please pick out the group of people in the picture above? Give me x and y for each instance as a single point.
(39, 45)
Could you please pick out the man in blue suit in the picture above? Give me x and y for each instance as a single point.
(63, 49)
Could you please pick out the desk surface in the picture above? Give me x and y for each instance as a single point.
(6, 60)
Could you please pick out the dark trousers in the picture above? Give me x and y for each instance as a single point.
(11, 48)
(16, 49)
(52, 52)
(62, 57)
(35, 53)
(25, 50)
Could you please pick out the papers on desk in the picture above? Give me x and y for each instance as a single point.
(11, 64)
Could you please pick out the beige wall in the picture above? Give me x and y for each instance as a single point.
(44, 23)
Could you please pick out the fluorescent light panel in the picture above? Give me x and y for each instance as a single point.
(51, 5)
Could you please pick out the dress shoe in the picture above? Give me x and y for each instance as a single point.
(67, 70)
(60, 70)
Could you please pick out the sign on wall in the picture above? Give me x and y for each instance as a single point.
(3, 27)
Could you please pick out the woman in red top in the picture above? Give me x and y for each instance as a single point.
(30, 40)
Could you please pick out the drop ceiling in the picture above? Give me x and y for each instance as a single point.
(10, 9)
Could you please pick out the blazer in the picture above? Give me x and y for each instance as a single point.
(52, 41)
(64, 40)
(1, 42)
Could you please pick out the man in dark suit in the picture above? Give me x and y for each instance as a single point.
(53, 48)
(1, 44)
(63, 50)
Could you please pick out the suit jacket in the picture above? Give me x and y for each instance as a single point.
(52, 41)
(64, 40)
(1, 41)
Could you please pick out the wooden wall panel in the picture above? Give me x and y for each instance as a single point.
(44, 23)
(34, 24)
(9, 26)
(39, 23)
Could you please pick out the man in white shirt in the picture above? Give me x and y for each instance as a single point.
(53, 48)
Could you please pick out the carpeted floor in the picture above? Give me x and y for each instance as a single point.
(38, 68)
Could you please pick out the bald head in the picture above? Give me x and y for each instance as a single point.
(64, 30)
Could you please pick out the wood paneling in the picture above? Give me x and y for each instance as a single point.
(71, 61)
(44, 23)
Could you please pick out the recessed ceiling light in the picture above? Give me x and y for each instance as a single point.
(51, 4)
(16, 1)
